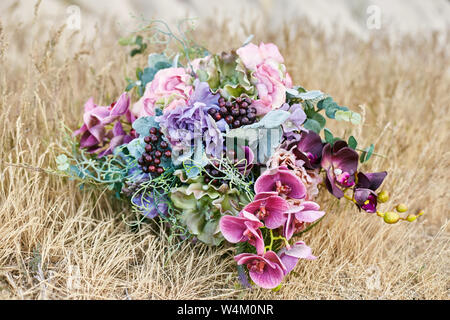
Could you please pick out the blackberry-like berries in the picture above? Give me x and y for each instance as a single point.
(155, 148)
(213, 176)
(236, 112)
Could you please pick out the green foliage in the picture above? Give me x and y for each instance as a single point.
(328, 136)
(349, 116)
(352, 143)
(367, 154)
(144, 124)
(79, 165)
(156, 62)
(330, 107)
(134, 41)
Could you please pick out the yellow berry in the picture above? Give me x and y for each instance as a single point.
(402, 207)
(383, 196)
(421, 212)
(391, 217)
(380, 214)
(411, 217)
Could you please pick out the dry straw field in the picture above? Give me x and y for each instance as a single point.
(59, 242)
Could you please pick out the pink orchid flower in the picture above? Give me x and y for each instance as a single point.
(305, 212)
(266, 270)
(282, 181)
(290, 256)
(271, 210)
(243, 228)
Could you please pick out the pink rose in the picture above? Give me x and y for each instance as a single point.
(269, 75)
(169, 89)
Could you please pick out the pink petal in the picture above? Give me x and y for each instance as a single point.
(232, 228)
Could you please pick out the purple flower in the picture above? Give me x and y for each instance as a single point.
(148, 207)
(243, 228)
(94, 136)
(118, 137)
(186, 125)
(341, 163)
(294, 123)
(290, 256)
(365, 195)
(244, 166)
(309, 149)
(266, 270)
(271, 210)
(282, 181)
(305, 212)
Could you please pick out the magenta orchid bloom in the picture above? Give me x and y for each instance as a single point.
(365, 195)
(243, 228)
(341, 163)
(266, 270)
(306, 212)
(271, 210)
(309, 149)
(282, 181)
(93, 131)
(290, 256)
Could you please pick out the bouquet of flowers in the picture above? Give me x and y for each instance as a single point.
(223, 148)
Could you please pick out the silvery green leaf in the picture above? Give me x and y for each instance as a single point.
(63, 166)
(311, 95)
(143, 125)
(271, 120)
(155, 58)
(175, 61)
(61, 159)
(248, 40)
(136, 147)
(348, 116)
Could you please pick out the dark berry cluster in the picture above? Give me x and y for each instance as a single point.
(213, 175)
(155, 149)
(237, 112)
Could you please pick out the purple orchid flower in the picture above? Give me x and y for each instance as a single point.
(341, 163)
(266, 270)
(243, 228)
(245, 167)
(148, 207)
(290, 256)
(118, 137)
(271, 210)
(309, 149)
(282, 181)
(306, 212)
(93, 132)
(364, 194)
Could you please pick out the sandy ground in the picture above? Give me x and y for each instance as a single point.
(59, 242)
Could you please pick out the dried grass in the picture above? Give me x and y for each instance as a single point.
(59, 242)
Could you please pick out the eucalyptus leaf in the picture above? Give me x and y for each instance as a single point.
(328, 136)
(313, 125)
(352, 143)
(349, 116)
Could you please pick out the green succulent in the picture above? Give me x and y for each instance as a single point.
(227, 75)
(201, 206)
